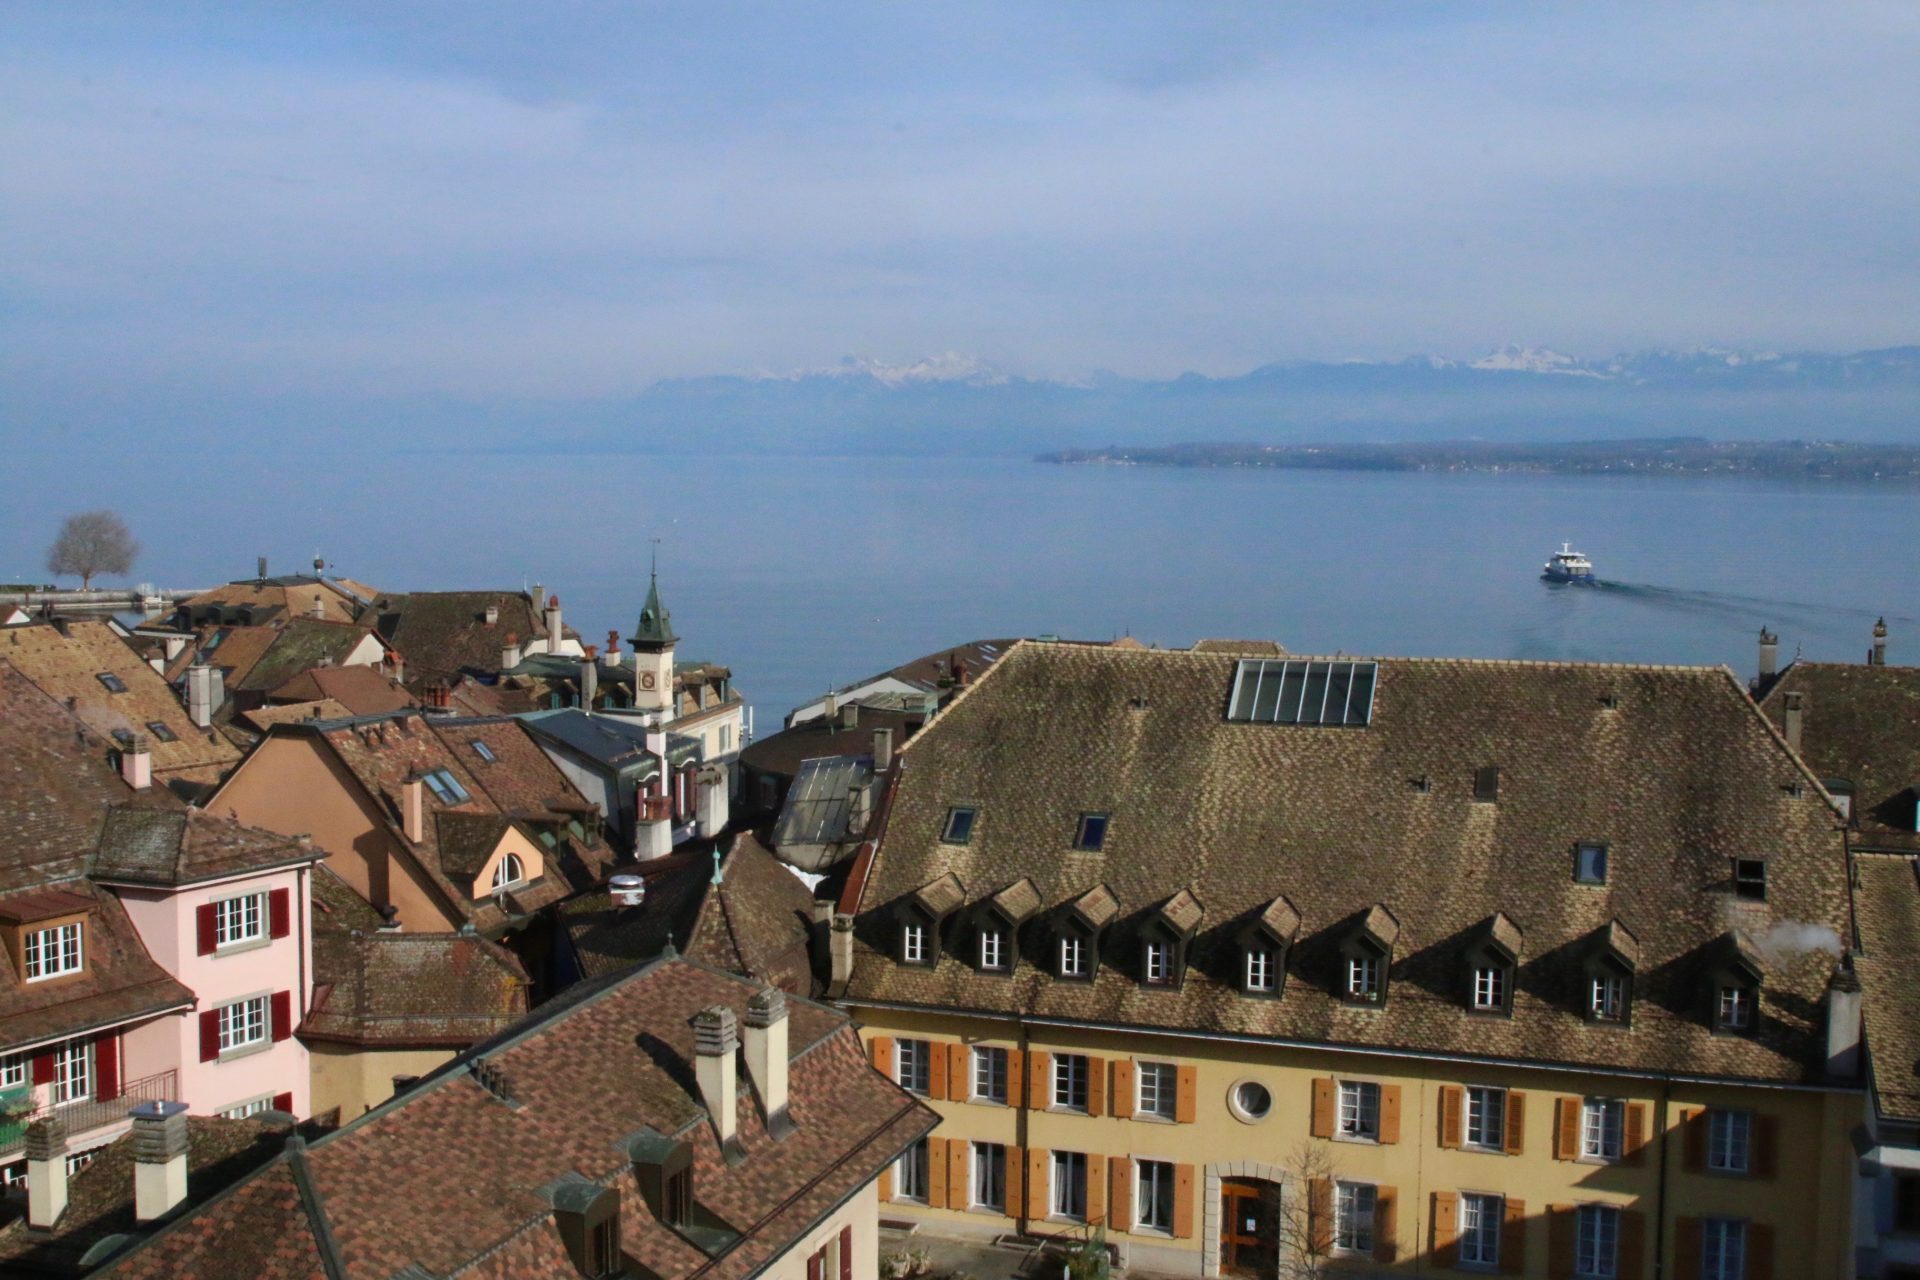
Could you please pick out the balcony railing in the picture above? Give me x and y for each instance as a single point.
(91, 1113)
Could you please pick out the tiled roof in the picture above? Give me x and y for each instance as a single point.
(181, 846)
(233, 649)
(1241, 648)
(264, 718)
(445, 633)
(292, 595)
(1670, 766)
(1860, 723)
(121, 981)
(447, 1177)
(467, 840)
(301, 644)
(784, 752)
(361, 689)
(68, 669)
(1887, 900)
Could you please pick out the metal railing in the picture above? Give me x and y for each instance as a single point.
(90, 1113)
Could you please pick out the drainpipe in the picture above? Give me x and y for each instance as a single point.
(1660, 1199)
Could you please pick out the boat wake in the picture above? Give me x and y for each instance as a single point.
(1755, 609)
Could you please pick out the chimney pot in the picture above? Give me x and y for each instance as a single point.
(767, 1056)
(136, 763)
(493, 614)
(1769, 653)
(840, 946)
(262, 563)
(539, 597)
(716, 1065)
(1879, 658)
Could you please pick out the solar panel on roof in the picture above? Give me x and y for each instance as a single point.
(1269, 691)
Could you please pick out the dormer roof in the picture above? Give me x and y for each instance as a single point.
(1180, 914)
(1378, 926)
(940, 898)
(1095, 909)
(1503, 935)
(1017, 902)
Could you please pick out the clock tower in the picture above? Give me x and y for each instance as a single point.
(653, 642)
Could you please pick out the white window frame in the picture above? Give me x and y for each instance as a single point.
(913, 943)
(1484, 1127)
(251, 1107)
(56, 951)
(993, 949)
(239, 1019)
(989, 1074)
(1069, 1082)
(1363, 979)
(913, 1065)
(1073, 956)
(1607, 997)
(1259, 969)
(1156, 1087)
(509, 871)
(1153, 1196)
(239, 920)
(1354, 1204)
(15, 1069)
(1481, 1217)
(1596, 1252)
(1603, 1128)
(1733, 1011)
(1490, 988)
(74, 1077)
(912, 1178)
(1159, 964)
(987, 1176)
(1067, 1190)
(1723, 1249)
(1729, 1140)
(1357, 1111)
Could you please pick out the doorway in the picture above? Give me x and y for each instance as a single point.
(1249, 1227)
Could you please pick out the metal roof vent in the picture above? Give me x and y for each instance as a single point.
(628, 890)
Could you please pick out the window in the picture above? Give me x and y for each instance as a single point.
(124, 737)
(1602, 1121)
(13, 1070)
(445, 787)
(1158, 1086)
(1729, 1135)
(1091, 833)
(160, 732)
(1153, 1196)
(1733, 1010)
(73, 1072)
(251, 1107)
(1250, 1100)
(1069, 1185)
(113, 683)
(1486, 1118)
(913, 944)
(1486, 785)
(959, 828)
(1359, 1110)
(725, 738)
(603, 1247)
(993, 950)
(1070, 1081)
(53, 952)
(913, 1066)
(1260, 969)
(237, 920)
(1750, 879)
(1363, 979)
(1723, 1249)
(1480, 1228)
(482, 750)
(1590, 863)
(1490, 988)
(989, 1074)
(78, 1161)
(989, 1176)
(1073, 956)
(1312, 693)
(678, 1198)
(243, 1024)
(1353, 1204)
(1906, 1202)
(1159, 968)
(1607, 997)
(1597, 1242)
(509, 871)
(910, 1173)
(13, 1175)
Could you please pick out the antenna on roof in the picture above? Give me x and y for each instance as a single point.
(719, 877)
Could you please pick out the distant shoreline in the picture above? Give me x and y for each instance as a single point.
(1676, 456)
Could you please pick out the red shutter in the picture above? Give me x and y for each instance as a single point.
(283, 1102)
(817, 1266)
(106, 1068)
(846, 1253)
(204, 922)
(280, 912)
(282, 1019)
(43, 1068)
(209, 1035)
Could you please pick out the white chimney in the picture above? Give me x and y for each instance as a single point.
(510, 652)
(539, 597)
(657, 742)
(319, 607)
(831, 711)
(711, 805)
(493, 614)
(201, 701)
(882, 750)
(136, 763)
(46, 1172)
(159, 1159)
(628, 889)
(413, 820)
(174, 644)
(1843, 1026)
(652, 837)
(1769, 653)
(589, 679)
(767, 1056)
(840, 949)
(1790, 721)
(716, 1046)
(553, 625)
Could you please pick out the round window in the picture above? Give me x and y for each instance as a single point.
(1250, 1101)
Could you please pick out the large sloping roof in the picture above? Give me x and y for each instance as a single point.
(361, 689)
(446, 633)
(286, 596)
(174, 847)
(1888, 902)
(301, 644)
(1860, 723)
(1672, 767)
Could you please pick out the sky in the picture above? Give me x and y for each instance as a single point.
(218, 212)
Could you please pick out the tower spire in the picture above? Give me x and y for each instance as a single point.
(655, 629)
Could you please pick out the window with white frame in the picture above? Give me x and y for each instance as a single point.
(1490, 988)
(989, 1176)
(1353, 1205)
(993, 949)
(1159, 964)
(1480, 1228)
(73, 1072)
(1486, 1117)
(1070, 1081)
(1597, 1242)
(237, 920)
(1069, 1199)
(1153, 1196)
(1363, 979)
(53, 952)
(1157, 1085)
(13, 1175)
(913, 943)
(1359, 1110)
(13, 1069)
(508, 871)
(1260, 969)
(1602, 1122)
(251, 1107)
(1607, 997)
(243, 1024)
(913, 1066)
(1729, 1135)
(1723, 1249)
(1733, 1011)
(989, 1074)
(910, 1173)
(1073, 956)
(78, 1161)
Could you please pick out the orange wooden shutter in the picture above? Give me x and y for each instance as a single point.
(1186, 1097)
(1563, 1231)
(1096, 1188)
(1514, 1141)
(1123, 1088)
(1320, 1216)
(1446, 1229)
(936, 1172)
(959, 1183)
(1386, 1232)
(1686, 1249)
(1633, 1245)
(1759, 1251)
(936, 1069)
(1451, 1103)
(1633, 1146)
(1016, 1181)
(1039, 1079)
(1096, 1086)
(881, 1047)
(1389, 1113)
(1183, 1202)
(1120, 1193)
(886, 1183)
(959, 1072)
(1323, 1107)
(1513, 1237)
(1016, 1078)
(1762, 1157)
(1693, 1139)
(1037, 1183)
(1566, 1128)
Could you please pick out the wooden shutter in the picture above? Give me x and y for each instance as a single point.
(43, 1062)
(209, 1038)
(959, 1072)
(1037, 1184)
(936, 1172)
(816, 1267)
(1096, 1086)
(881, 1047)
(1320, 1216)
(1514, 1141)
(1386, 1235)
(1183, 1202)
(1120, 1210)
(280, 1015)
(1759, 1251)
(1123, 1088)
(936, 1069)
(1186, 1098)
(959, 1183)
(1039, 1079)
(279, 913)
(1016, 1181)
(1563, 1237)
(1633, 1143)
(1513, 1237)
(1693, 1139)
(1633, 1245)
(846, 1253)
(1446, 1229)
(283, 1102)
(1323, 1107)
(886, 1183)
(1763, 1146)
(1016, 1078)
(106, 1068)
(1452, 1127)
(1096, 1188)
(1389, 1113)
(205, 929)
(1566, 1128)
(1686, 1249)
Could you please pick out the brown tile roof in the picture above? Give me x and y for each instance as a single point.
(301, 644)
(1888, 902)
(1860, 723)
(445, 633)
(234, 650)
(1670, 766)
(175, 847)
(121, 981)
(291, 596)
(783, 752)
(68, 669)
(361, 689)
(1241, 648)
(42, 904)
(264, 718)
(447, 1177)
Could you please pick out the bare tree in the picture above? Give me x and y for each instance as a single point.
(90, 543)
(1310, 1227)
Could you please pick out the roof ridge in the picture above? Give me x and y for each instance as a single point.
(1355, 656)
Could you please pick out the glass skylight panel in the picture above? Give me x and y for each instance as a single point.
(482, 750)
(446, 788)
(1308, 693)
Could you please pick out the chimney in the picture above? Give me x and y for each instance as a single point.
(716, 1047)
(832, 711)
(589, 679)
(263, 568)
(767, 1056)
(628, 889)
(711, 804)
(1879, 656)
(46, 1172)
(882, 750)
(136, 763)
(1769, 653)
(1790, 721)
(510, 652)
(657, 741)
(493, 615)
(553, 625)
(396, 667)
(318, 609)
(174, 644)
(201, 701)
(159, 1159)
(850, 716)
(613, 648)
(539, 597)
(1843, 1023)
(653, 837)
(413, 821)
(840, 949)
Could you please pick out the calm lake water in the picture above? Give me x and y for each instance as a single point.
(806, 572)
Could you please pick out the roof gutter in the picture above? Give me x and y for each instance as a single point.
(27, 1046)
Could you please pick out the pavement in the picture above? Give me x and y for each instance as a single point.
(979, 1259)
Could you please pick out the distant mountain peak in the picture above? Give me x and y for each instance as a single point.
(948, 366)
(1514, 358)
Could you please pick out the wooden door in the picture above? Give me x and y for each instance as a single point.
(1249, 1228)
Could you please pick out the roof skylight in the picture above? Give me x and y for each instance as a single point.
(1289, 692)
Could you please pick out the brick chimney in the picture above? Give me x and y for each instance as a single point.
(413, 803)
(1790, 720)
(1878, 657)
(1769, 653)
(716, 1047)
(46, 1172)
(159, 1159)
(767, 1056)
(553, 625)
(136, 763)
(613, 649)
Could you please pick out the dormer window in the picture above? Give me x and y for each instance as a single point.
(1164, 939)
(1157, 966)
(663, 1168)
(996, 926)
(677, 1203)
(1750, 879)
(921, 915)
(1073, 956)
(959, 825)
(993, 949)
(1734, 1008)
(1077, 928)
(1259, 977)
(508, 872)
(1607, 993)
(914, 948)
(1091, 834)
(54, 952)
(1490, 988)
(1263, 947)
(1365, 955)
(1365, 983)
(1492, 962)
(1607, 996)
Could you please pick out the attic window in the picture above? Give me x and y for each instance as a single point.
(1310, 693)
(160, 731)
(113, 683)
(1422, 785)
(124, 737)
(445, 787)
(1733, 1007)
(1590, 862)
(1092, 832)
(1486, 784)
(1750, 879)
(482, 750)
(959, 826)
(1610, 700)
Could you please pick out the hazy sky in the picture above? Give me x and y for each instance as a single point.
(214, 204)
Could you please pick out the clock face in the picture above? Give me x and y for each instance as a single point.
(646, 679)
